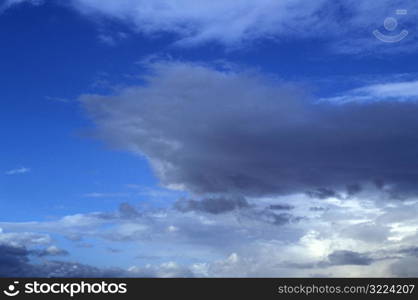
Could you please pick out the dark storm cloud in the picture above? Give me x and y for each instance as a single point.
(219, 205)
(281, 207)
(15, 262)
(317, 208)
(343, 257)
(270, 216)
(224, 132)
(212, 205)
(336, 258)
(282, 219)
(323, 193)
(412, 251)
(353, 189)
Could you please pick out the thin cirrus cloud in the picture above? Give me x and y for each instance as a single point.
(393, 91)
(9, 3)
(105, 195)
(18, 171)
(236, 22)
(238, 133)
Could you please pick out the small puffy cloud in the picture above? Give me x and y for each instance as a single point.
(20, 239)
(52, 251)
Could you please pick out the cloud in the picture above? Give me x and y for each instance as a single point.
(24, 238)
(212, 205)
(389, 91)
(236, 22)
(13, 261)
(367, 231)
(233, 22)
(224, 21)
(105, 195)
(281, 207)
(406, 267)
(57, 99)
(165, 270)
(16, 262)
(112, 39)
(22, 170)
(342, 257)
(128, 211)
(233, 132)
(52, 251)
(323, 193)
(412, 251)
(18, 248)
(359, 236)
(9, 3)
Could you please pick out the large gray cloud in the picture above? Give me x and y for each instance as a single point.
(225, 132)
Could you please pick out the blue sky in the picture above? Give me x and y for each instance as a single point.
(191, 139)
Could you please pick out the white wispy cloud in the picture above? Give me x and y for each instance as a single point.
(21, 170)
(234, 22)
(394, 91)
(112, 39)
(9, 3)
(105, 195)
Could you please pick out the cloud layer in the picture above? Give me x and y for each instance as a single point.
(356, 236)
